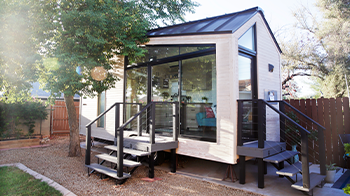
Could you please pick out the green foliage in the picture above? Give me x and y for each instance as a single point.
(292, 131)
(18, 49)
(322, 51)
(347, 148)
(88, 33)
(14, 181)
(14, 114)
(331, 167)
(347, 189)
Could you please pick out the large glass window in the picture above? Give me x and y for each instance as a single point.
(198, 100)
(244, 77)
(136, 85)
(248, 83)
(247, 39)
(197, 94)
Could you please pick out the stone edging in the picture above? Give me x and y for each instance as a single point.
(36, 175)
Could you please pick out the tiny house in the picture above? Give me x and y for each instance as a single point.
(194, 74)
(204, 65)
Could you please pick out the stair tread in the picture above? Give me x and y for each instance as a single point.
(291, 170)
(107, 171)
(315, 179)
(277, 158)
(129, 151)
(113, 159)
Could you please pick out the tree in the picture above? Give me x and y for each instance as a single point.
(323, 48)
(84, 34)
(18, 50)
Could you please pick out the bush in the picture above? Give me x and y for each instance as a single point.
(14, 114)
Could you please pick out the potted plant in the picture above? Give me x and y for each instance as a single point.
(331, 170)
(347, 149)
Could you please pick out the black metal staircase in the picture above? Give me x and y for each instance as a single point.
(253, 112)
(143, 144)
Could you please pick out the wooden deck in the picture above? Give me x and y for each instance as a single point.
(251, 149)
(161, 142)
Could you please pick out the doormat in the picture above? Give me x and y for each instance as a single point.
(342, 181)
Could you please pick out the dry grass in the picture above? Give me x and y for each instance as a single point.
(71, 173)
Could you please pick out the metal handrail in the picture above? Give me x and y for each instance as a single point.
(135, 116)
(304, 135)
(103, 113)
(302, 114)
(285, 116)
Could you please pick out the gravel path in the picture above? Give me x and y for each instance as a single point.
(71, 173)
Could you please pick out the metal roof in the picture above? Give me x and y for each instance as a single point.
(228, 23)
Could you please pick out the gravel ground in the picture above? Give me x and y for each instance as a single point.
(71, 173)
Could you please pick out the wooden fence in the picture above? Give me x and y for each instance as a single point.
(334, 115)
(59, 118)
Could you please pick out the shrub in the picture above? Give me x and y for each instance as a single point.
(14, 114)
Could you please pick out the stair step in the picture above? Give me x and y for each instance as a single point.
(291, 170)
(281, 156)
(113, 159)
(315, 179)
(107, 171)
(129, 151)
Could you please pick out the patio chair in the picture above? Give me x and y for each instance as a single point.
(345, 138)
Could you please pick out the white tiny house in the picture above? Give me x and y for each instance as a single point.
(209, 89)
(205, 66)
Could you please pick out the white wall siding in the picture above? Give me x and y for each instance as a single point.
(267, 53)
(89, 105)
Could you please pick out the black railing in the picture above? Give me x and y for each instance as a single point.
(149, 110)
(258, 117)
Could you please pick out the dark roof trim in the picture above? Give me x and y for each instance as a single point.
(176, 58)
(268, 27)
(223, 24)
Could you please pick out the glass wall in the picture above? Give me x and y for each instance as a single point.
(198, 99)
(197, 94)
(244, 77)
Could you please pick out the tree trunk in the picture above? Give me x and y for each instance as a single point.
(74, 142)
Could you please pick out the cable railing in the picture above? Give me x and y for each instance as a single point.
(144, 121)
(254, 113)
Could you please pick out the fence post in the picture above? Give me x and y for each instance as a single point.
(88, 145)
(116, 122)
(139, 120)
(152, 124)
(175, 121)
(282, 122)
(305, 159)
(239, 125)
(120, 154)
(321, 151)
(261, 122)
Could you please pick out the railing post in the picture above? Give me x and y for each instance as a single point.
(88, 145)
(120, 154)
(116, 122)
(139, 121)
(239, 124)
(305, 159)
(175, 122)
(282, 122)
(261, 123)
(152, 124)
(322, 151)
